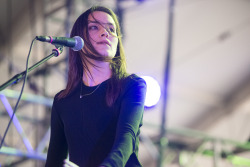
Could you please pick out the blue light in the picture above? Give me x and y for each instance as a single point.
(153, 91)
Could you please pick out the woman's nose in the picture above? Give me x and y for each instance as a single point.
(104, 32)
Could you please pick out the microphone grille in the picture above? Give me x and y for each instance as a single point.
(79, 43)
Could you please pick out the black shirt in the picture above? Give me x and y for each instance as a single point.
(94, 134)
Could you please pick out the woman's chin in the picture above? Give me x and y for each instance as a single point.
(108, 55)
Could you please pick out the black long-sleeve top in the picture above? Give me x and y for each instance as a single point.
(94, 134)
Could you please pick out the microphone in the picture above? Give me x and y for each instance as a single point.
(76, 43)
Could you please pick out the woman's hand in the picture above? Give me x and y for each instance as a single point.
(68, 163)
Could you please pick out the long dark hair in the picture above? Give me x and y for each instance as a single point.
(78, 60)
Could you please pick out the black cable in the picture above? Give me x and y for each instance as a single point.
(25, 78)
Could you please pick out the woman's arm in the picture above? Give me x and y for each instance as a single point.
(57, 151)
(132, 107)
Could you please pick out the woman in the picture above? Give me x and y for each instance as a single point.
(97, 118)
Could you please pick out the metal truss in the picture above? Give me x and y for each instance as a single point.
(185, 146)
(175, 151)
(14, 153)
(30, 152)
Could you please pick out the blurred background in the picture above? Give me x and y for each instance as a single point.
(198, 51)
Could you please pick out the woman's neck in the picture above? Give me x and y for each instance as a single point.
(97, 75)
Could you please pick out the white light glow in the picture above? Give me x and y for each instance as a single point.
(153, 91)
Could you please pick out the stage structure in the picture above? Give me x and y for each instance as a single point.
(26, 143)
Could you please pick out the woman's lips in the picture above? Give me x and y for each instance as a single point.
(104, 42)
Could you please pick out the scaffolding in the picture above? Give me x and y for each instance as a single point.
(162, 149)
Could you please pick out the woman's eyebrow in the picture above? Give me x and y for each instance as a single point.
(93, 21)
(98, 22)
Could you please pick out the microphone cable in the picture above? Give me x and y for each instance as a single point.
(25, 78)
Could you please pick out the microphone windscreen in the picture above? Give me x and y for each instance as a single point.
(79, 43)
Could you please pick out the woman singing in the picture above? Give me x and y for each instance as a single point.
(96, 119)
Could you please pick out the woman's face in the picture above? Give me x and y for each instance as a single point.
(102, 33)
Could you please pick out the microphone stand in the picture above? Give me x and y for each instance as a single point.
(55, 52)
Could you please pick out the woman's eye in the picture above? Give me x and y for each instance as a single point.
(111, 29)
(93, 28)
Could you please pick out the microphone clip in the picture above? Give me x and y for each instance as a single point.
(58, 50)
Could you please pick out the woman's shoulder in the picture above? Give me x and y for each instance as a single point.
(134, 87)
(58, 98)
(134, 80)
(58, 93)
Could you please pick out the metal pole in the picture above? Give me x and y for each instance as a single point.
(162, 137)
(119, 11)
(216, 154)
(69, 7)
